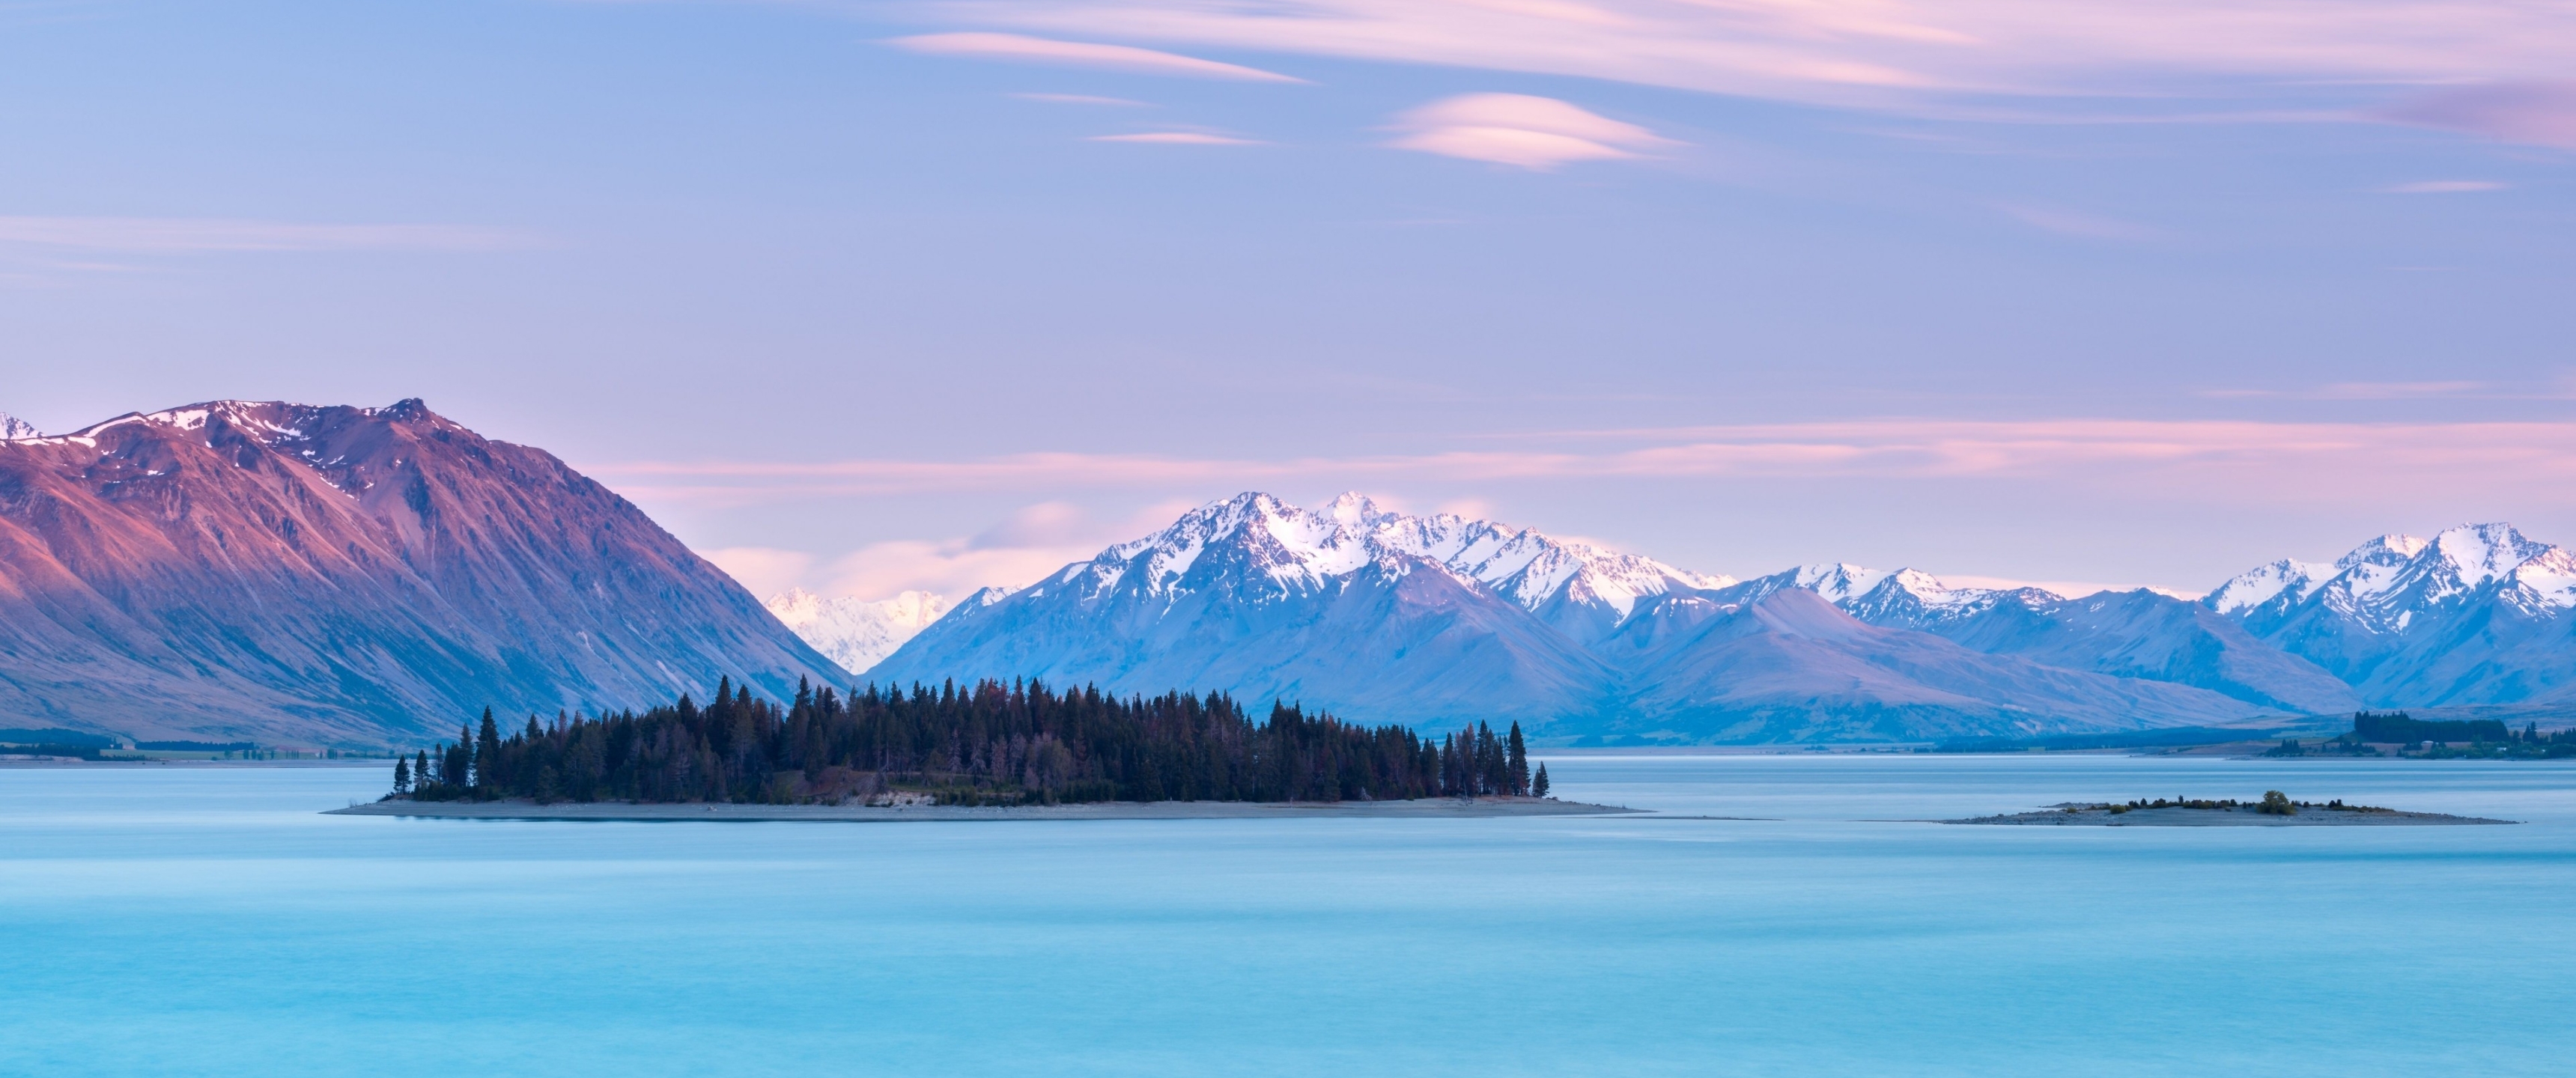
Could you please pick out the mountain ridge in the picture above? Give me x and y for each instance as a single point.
(1477, 619)
(335, 575)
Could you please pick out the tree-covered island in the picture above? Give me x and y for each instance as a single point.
(990, 744)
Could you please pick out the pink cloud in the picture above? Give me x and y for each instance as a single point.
(2199, 457)
(1025, 49)
(2540, 112)
(1177, 138)
(1892, 53)
(1520, 130)
(2079, 225)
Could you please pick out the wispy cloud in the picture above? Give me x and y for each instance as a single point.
(1178, 138)
(1030, 543)
(2098, 58)
(2080, 225)
(2276, 460)
(1081, 99)
(2371, 391)
(1038, 50)
(764, 571)
(2538, 111)
(1521, 131)
(191, 235)
(2442, 187)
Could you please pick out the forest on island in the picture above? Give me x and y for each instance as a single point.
(989, 744)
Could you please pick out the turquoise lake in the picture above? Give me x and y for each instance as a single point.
(207, 921)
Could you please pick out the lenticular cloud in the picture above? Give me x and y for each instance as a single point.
(1521, 131)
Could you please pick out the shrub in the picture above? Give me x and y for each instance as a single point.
(2276, 803)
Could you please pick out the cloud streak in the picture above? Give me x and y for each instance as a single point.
(202, 235)
(1177, 138)
(2095, 57)
(2211, 458)
(2537, 111)
(2442, 187)
(1020, 48)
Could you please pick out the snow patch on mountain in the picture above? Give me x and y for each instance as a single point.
(1838, 582)
(1904, 598)
(13, 428)
(859, 633)
(2262, 584)
(2392, 583)
(1306, 549)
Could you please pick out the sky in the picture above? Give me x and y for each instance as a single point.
(874, 296)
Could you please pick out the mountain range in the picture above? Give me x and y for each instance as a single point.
(1428, 620)
(290, 574)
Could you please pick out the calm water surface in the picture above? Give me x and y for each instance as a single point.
(209, 922)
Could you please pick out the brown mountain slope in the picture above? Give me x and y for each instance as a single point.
(353, 576)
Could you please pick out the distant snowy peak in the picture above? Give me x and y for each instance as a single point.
(858, 633)
(2385, 585)
(2455, 563)
(13, 428)
(1300, 550)
(1839, 582)
(987, 596)
(1907, 598)
(2260, 585)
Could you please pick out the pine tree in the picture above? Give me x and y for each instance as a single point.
(1538, 782)
(1518, 763)
(487, 752)
(420, 769)
(402, 775)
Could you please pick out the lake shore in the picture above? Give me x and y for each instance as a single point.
(2235, 816)
(1426, 808)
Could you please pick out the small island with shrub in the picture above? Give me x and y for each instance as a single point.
(2273, 809)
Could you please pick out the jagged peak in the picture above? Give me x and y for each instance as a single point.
(2384, 550)
(2385, 583)
(13, 428)
(1353, 507)
(1303, 547)
(1837, 581)
(2481, 552)
(2264, 583)
(269, 419)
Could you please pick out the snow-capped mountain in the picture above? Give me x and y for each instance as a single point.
(13, 428)
(857, 633)
(1575, 586)
(350, 576)
(2136, 634)
(1380, 616)
(1384, 616)
(2474, 615)
(1790, 666)
(1904, 598)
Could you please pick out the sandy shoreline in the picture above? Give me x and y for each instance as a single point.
(2240, 816)
(1429, 808)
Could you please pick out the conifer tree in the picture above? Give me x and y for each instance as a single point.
(487, 753)
(1518, 763)
(1538, 782)
(402, 775)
